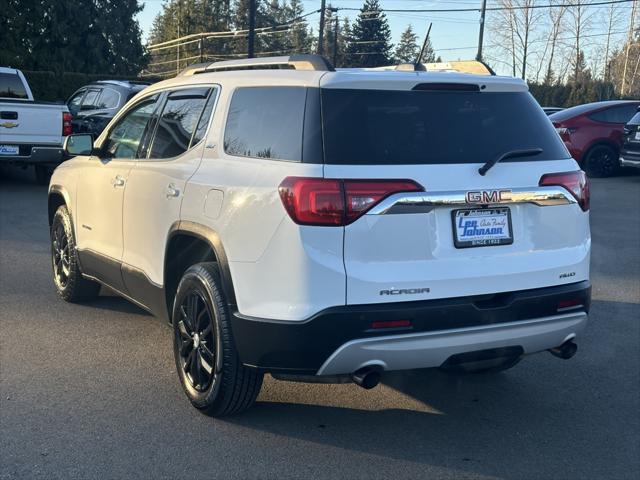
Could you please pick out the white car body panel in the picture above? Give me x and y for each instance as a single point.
(416, 251)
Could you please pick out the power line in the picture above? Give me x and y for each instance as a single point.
(478, 9)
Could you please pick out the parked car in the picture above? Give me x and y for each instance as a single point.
(630, 153)
(550, 110)
(31, 133)
(593, 133)
(94, 105)
(324, 225)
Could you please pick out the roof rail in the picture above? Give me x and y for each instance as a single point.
(292, 62)
(411, 67)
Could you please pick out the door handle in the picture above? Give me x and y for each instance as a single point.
(118, 181)
(172, 191)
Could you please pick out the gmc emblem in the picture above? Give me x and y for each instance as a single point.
(488, 196)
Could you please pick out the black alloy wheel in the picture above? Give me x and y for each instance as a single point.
(602, 161)
(61, 256)
(197, 343)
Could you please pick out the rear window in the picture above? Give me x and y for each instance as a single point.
(383, 127)
(266, 122)
(11, 86)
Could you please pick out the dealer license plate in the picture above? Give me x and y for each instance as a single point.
(482, 227)
(9, 150)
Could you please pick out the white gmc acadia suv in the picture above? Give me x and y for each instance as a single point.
(324, 225)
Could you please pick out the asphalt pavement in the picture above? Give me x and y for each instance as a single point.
(89, 391)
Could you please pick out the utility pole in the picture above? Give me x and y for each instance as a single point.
(626, 55)
(481, 35)
(323, 7)
(335, 41)
(252, 28)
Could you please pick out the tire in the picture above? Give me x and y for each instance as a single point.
(229, 387)
(601, 161)
(67, 276)
(43, 174)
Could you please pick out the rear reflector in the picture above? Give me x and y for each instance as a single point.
(335, 202)
(575, 182)
(566, 304)
(391, 324)
(67, 128)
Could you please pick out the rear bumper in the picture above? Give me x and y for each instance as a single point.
(630, 159)
(35, 154)
(343, 337)
(432, 349)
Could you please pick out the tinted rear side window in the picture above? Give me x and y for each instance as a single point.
(620, 114)
(266, 122)
(383, 127)
(108, 99)
(177, 122)
(11, 86)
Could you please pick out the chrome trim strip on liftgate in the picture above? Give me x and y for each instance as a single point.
(424, 202)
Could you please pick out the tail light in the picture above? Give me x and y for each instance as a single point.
(66, 124)
(575, 182)
(332, 202)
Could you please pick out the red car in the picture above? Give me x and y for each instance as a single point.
(593, 133)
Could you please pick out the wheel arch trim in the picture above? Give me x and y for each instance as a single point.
(212, 238)
(55, 190)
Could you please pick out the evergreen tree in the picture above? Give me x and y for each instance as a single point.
(408, 49)
(299, 37)
(370, 41)
(73, 36)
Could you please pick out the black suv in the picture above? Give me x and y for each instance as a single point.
(94, 105)
(630, 153)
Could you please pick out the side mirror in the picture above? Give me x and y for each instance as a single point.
(78, 144)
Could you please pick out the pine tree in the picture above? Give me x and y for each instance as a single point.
(370, 41)
(407, 50)
(73, 36)
(299, 37)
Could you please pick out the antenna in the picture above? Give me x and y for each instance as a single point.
(424, 45)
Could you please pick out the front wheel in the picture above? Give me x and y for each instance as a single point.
(601, 161)
(67, 277)
(210, 371)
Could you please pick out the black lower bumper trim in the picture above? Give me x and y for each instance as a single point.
(302, 347)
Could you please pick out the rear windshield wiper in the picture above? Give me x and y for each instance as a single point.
(526, 152)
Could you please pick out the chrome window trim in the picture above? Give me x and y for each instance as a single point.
(423, 202)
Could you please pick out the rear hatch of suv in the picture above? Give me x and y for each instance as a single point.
(424, 222)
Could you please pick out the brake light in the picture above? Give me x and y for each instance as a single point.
(575, 182)
(67, 129)
(334, 202)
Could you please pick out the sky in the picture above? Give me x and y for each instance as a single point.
(450, 30)
(454, 35)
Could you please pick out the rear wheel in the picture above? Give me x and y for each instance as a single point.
(67, 277)
(601, 161)
(212, 376)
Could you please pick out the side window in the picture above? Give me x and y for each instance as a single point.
(266, 122)
(74, 102)
(90, 99)
(615, 114)
(203, 123)
(177, 122)
(125, 137)
(623, 114)
(108, 99)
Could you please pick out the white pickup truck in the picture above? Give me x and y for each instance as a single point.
(31, 133)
